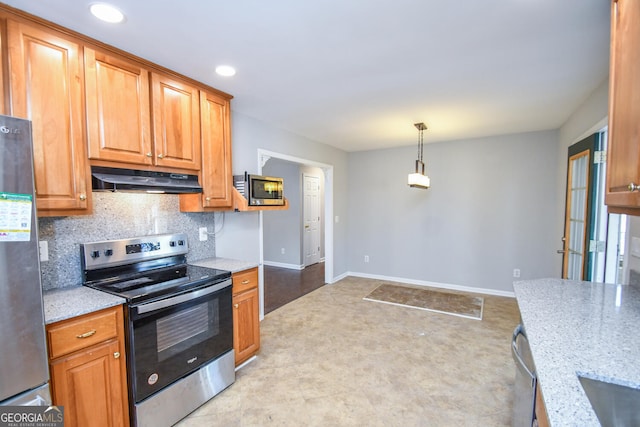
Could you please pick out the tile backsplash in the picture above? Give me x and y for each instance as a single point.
(117, 216)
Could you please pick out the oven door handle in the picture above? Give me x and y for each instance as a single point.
(179, 299)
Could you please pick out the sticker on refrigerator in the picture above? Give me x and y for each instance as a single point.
(15, 217)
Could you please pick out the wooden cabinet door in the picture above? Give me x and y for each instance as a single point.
(118, 109)
(176, 123)
(216, 151)
(246, 325)
(3, 98)
(88, 384)
(46, 80)
(623, 156)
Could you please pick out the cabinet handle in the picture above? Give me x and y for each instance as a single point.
(149, 154)
(207, 198)
(83, 197)
(633, 187)
(116, 355)
(160, 156)
(244, 282)
(87, 334)
(236, 305)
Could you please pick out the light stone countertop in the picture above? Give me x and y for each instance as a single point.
(65, 303)
(579, 327)
(232, 265)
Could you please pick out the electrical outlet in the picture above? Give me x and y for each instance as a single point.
(516, 272)
(203, 234)
(282, 251)
(366, 258)
(44, 250)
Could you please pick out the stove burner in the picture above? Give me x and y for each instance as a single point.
(145, 267)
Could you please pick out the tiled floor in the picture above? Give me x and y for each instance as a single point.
(330, 358)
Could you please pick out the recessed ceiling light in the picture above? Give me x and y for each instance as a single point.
(225, 70)
(106, 13)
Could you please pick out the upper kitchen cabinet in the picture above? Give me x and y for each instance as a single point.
(623, 157)
(215, 175)
(3, 99)
(120, 114)
(176, 123)
(45, 82)
(118, 109)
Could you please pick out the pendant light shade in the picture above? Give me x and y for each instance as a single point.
(418, 179)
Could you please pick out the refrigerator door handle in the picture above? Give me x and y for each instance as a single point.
(518, 358)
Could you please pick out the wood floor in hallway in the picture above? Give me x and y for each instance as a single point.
(330, 358)
(283, 285)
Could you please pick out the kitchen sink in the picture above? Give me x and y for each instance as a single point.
(615, 405)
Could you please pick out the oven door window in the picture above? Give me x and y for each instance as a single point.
(171, 342)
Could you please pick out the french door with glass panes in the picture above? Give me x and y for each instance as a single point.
(581, 208)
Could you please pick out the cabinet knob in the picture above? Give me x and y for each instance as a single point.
(207, 199)
(236, 305)
(83, 197)
(633, 187)
(160, 156)
(87, 334)
(116, 355)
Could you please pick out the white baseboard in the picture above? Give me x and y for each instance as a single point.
(284, 265)
(450, 286)
(340, 277)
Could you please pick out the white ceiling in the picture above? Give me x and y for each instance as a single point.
(356, 74)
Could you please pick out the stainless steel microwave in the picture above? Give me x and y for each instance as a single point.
(260, 190)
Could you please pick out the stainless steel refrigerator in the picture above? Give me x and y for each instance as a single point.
(24, 372)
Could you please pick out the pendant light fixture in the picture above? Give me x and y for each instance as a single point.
(418, 179)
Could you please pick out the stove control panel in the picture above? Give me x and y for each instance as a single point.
(111, 253)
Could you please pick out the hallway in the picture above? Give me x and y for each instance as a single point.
(283, 285)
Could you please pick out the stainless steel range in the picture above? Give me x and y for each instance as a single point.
(179, 323)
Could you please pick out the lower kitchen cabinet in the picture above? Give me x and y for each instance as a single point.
(246, 315)
(541, 410)
(88, 369)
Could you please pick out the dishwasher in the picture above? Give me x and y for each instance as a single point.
(524, 403)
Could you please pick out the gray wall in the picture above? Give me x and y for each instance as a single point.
(282, 229)
(490, 209)
(240, 235)
(589, 118)
(116, 216)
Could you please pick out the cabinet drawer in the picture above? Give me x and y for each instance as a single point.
(74, 334)
(245, 280)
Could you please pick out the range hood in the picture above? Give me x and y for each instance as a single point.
(116, 179)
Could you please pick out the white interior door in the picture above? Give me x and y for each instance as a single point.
(311, 213)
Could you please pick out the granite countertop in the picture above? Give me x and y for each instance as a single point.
(232, 265)
(579, 327)
(65, 303)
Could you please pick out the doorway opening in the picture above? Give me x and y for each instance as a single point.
(299, 249)
(595, 241)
